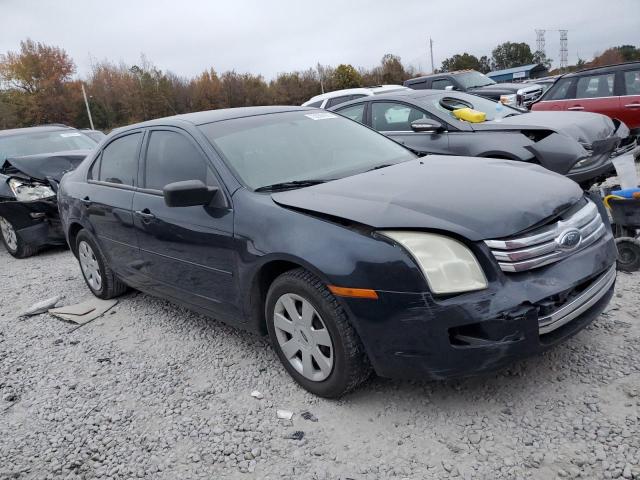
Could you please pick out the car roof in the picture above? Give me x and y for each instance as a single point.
(210, 116)
(40, 128)
(409, 95)
(431, 75)
(352, 91)
(606, 68)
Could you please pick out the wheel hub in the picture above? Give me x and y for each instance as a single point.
(9, 234)
(89, 265)
(303, 337)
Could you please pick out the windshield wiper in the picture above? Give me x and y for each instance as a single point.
(290, 184)
(384, 165)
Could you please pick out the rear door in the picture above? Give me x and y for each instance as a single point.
(187, 251)
(630, 99)
(113, 179)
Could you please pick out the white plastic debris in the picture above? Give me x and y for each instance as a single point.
(284, 414)
(257, 394)
(41, 307)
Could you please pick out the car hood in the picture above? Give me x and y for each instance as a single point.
(585, 127)
(499, 88)
(44, 165)
(476, 198)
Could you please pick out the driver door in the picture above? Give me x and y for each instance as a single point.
(393, 119)
(187, 252)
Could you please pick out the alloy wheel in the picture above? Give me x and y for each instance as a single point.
(89, 265)
(9, 234)
(303, 337)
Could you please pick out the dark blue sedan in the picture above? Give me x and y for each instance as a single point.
(353, 254)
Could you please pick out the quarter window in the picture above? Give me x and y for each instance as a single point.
(595, 86)
(632, 82)
(354, 112)
(171, 157)
(315, 104)
(394, 117)
(119, 162)
(338, 100)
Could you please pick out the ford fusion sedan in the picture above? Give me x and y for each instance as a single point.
(351, 253)
(578, 145)
(32, 161)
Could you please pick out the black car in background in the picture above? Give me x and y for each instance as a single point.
(578, 145)
(512, 94)
(32, 162)
(352, 253)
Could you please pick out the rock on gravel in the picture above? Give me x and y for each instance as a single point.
(157, 392)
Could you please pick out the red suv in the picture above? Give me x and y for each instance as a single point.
(613, 90)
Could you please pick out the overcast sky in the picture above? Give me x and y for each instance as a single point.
(268, 37)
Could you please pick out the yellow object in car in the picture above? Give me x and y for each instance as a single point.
(469, 115)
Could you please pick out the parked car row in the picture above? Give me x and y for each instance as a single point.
(332, 232)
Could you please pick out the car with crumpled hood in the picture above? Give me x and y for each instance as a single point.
(32, 163)
(353, 254)
(580, 145)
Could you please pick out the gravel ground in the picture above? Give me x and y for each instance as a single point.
(154, 391)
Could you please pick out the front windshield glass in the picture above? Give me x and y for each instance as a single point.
(495, 111)
(43, 142)
(302, 145)
(473, 79)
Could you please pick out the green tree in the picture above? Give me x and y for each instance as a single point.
(629, 52)
(510, 54)
(345, 76)
(541, 58)
(465, 61)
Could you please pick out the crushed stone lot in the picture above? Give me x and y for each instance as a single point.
(152, 390)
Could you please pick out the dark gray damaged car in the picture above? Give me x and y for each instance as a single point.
(579, 145)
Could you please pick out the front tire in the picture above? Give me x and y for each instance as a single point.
(312, 337)
(97, 274)
(12, 241)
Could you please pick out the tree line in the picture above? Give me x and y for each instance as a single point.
(37, 86)
(512, 54)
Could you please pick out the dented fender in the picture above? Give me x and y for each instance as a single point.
(558, 153)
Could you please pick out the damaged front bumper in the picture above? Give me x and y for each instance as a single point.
(413, 335)
(37, 223)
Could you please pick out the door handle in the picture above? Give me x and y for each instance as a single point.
(575, 108)
(87, 201)
(145, 214)
(632, 105)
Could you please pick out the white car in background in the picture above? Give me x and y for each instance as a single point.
(331, 99)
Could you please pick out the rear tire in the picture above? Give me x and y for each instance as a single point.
(12, 241)
(98, 276)
(324, 354)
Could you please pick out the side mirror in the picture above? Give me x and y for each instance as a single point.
(449, 88)
(189, 193)
(426, 125)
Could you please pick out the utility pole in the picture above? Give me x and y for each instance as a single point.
(320, 75)
(431, 50)
(540, 43)
(564, 51)
(86, 103)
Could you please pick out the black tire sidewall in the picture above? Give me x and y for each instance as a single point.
(22, 249)
(337, 381)
(85, 236)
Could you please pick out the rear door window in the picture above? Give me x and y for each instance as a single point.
(632, 82)
(119, 163)
(172, 157)
(354, 112)
(595, 86)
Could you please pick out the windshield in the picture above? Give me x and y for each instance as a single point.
(493, 110)
(302, 145)
(43, 142)
(473, 79)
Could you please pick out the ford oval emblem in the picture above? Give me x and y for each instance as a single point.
(569, 239)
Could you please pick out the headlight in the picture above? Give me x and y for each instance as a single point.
(447, 264)
(26, 191)
(509, 99)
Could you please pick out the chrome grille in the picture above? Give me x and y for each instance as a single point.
(549, 244)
